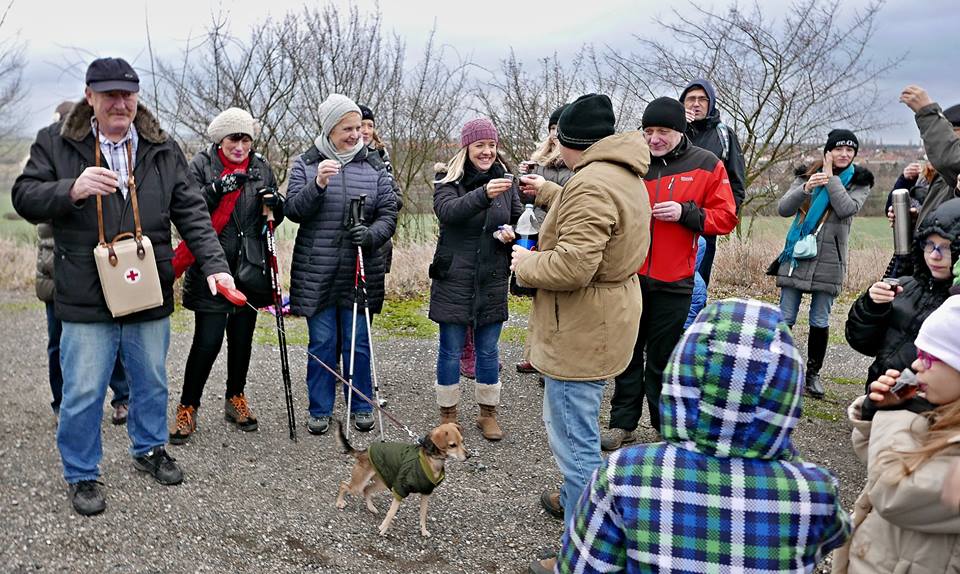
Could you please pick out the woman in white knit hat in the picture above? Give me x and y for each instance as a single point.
(237, 184)
(337, 168)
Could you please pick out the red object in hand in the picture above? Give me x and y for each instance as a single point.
(235, 296)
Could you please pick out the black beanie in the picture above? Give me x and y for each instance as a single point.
(366, 113)
(665, 113)
(555, 116)
(586, 121)
(841, 137)
(953, 115)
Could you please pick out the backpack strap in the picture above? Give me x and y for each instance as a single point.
(724, 132)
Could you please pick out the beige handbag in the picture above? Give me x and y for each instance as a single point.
(126, 265)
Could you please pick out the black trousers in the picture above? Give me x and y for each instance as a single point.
(207, 340)
(661, 326)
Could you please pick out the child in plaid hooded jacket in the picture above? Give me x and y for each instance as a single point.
(726, 491)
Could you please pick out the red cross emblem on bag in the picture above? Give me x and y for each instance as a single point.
(131, 275)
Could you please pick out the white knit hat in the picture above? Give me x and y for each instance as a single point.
(940, 335)
(232, 121)
(333, 109)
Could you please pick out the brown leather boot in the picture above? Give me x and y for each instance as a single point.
(448, 415)
(487, 423)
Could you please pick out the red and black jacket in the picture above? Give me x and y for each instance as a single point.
(697, 180)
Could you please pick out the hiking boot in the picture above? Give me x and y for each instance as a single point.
(615, 438)
(487, 423)
(448, 415)
(237, 411)
(813, 385)
(318, 425)
(526, 367)
(363, 421)
(550, 501)
(185, 425)
(119, 416)
(161, 466)
(545, 566)
(87, 498)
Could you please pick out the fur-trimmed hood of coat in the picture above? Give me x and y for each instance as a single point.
(861, 175)
(76, 125)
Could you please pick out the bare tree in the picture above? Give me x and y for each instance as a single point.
(12, 89)
(782, 84)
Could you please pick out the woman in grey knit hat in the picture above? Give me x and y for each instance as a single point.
(337, 168)
(237, 184)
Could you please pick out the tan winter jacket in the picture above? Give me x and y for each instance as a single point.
(900, 525)
(587, 309)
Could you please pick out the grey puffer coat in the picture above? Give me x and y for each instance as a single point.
(247, 220)
(324, 259)
(471, 269)
(826, 271)
(44, 282)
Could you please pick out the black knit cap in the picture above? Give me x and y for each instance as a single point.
(555, 116)
(953, 115)
(366, 113)
(586, 121)
(839, 137)
(109, 74)
(665, 113)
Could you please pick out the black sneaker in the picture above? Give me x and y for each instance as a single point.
(318, 425)
(87, 498)
(363, 421)
(160, 465)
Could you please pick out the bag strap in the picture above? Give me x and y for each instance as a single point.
(131, 188)
(724, 134)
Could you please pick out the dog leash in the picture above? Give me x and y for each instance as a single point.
(360, 394)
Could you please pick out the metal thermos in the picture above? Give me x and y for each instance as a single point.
(902, 222)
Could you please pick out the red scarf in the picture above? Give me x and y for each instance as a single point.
(182, 257)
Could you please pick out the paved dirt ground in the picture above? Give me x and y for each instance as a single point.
(260, 503)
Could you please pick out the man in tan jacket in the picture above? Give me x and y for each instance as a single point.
(587, 309)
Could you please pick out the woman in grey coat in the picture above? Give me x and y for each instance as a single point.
(335, 170)
(823, 199)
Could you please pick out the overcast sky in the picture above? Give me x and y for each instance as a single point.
(59, 38)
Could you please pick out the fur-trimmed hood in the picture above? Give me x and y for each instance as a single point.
(861, 175)
(76, 126)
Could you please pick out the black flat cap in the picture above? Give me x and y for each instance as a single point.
(108, 74)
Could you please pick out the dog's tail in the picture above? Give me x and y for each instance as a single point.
(344, 444)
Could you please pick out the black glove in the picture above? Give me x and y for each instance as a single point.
(360, 235)
(230, 182)
(270, 197)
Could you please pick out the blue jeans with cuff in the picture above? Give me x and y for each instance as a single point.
(485, 339)
(321, 384)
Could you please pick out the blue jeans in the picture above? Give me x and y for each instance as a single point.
(820, 304)
(571, 410)
(485, 339)
(118, 380)
(88, 356)
(321, 385)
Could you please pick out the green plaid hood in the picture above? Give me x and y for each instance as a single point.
(733, 384)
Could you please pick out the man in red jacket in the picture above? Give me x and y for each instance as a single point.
(690, 196)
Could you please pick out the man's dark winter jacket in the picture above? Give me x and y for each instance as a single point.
(246, 220)
(324, 259)
(44, 280)
(705, 133)
(404, 468)
(943, 150)
(471, 269)
(696, 179)
(887, 331)
(165, 194)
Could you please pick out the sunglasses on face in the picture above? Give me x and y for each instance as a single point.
(926, 359)
(239, 138)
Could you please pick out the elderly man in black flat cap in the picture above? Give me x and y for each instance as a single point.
(140, 169)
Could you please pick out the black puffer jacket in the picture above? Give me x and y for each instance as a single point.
(324, 259)
(887, 331)
(165, 194)
(471, 269)
(247, 220)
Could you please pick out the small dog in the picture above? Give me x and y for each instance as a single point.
(402, 468)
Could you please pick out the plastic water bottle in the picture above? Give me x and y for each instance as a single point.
(527, 228)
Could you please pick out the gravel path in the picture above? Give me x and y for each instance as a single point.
(258, 502)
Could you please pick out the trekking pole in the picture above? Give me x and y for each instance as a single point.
(281, 331)
(360, 292)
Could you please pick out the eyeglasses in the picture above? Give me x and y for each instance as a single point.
(926, 359)
(695, 99)
(239, 138)
(942, 250)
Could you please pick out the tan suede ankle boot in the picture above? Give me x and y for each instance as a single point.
(487, 423)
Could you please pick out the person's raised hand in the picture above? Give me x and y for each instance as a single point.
(531, 183)
(912, 171)
(915, 98)
(881, 293)
(327, 169)
(498, 186)
(518, 255)
(880, 393)
(816, 180)
(93, 181)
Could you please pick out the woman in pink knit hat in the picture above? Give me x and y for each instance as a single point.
(477, 202)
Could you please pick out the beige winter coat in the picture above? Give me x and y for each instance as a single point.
(587, 309)
(900, 524)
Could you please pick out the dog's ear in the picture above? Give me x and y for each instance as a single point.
(430, 446)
